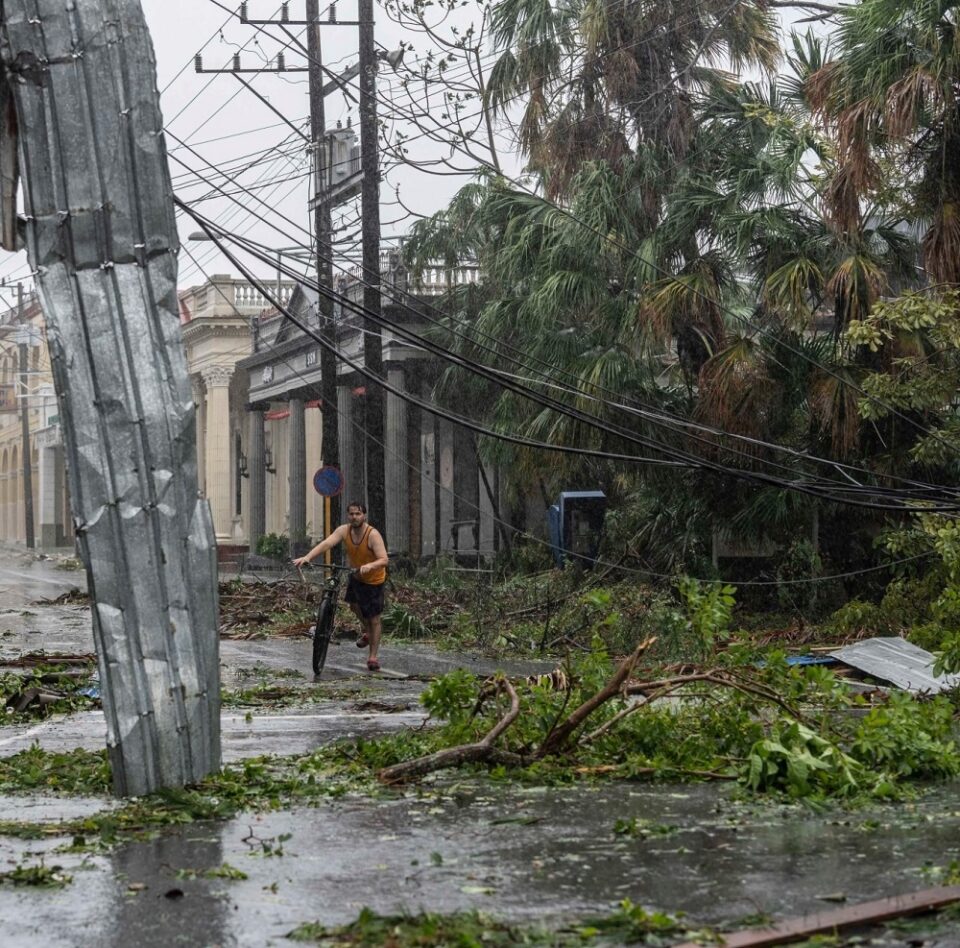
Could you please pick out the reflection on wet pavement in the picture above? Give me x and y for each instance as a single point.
(525, 854)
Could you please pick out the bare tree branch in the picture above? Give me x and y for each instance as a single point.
(465, 753)
(558, 736)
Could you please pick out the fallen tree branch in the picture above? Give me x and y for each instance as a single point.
(464, 753)
(559, 735)
(646, 701)
(720, 677)
(642, 687)
(757, 690)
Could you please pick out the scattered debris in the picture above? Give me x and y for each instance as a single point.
(42, 684)
(898, 662)
(35, 659)
(73, 597)
(286, 606)
(41, 876)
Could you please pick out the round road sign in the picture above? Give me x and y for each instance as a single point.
(328, 481)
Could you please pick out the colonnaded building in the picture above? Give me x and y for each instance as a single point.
(256, 382)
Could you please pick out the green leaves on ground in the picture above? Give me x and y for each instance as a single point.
(40, 876)
(628, 924)
(800, 762)
(793, 730)
(464, 929)
(74, 773)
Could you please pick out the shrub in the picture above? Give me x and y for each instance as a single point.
(857, 618)
(400, 621)
(908, 738)
(274, 545)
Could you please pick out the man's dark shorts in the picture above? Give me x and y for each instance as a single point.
(369, 599)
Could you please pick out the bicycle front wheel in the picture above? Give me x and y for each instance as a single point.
(321, 635)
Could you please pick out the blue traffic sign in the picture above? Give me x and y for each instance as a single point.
(328, 481)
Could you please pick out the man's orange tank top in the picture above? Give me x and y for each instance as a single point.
(360, 554)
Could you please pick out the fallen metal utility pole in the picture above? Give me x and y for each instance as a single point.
(25, 448)
(101, 238)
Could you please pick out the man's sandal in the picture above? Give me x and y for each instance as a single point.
(373, 665)
(363, 641)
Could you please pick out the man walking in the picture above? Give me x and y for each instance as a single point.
(367, 554)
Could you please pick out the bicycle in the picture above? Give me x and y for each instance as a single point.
(326, 613)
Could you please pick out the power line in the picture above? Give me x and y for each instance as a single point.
(743, 319)
(660, 419)
(416, 469)
(677, 456)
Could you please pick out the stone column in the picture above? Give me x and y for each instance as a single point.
(47, 507)
(466, 477)
(257, 477)
(200, 400)
(217, 449)
(428, 485)
(348, 439)
(297, 473)
(314, 426)
(397, 472)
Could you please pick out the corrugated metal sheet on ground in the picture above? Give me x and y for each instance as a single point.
(898, 662)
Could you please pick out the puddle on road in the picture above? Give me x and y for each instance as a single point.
(518, 854)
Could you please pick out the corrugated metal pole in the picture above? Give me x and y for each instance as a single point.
(370, 234)
(101, 237)
(25, 425)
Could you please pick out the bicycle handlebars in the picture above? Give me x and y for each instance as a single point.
(334, 566)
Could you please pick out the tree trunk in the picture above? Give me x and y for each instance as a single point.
(101, 236)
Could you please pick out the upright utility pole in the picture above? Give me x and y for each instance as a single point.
(25, 425)
(370, 233)
(323, 229)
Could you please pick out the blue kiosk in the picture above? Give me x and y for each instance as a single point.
(576, 526)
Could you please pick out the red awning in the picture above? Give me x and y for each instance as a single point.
(277, 415)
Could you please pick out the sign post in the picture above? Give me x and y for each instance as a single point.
(328, 482)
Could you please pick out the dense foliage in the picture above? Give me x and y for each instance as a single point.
(760, 273)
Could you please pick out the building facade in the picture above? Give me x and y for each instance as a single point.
(27, 386)
(217, 318)
(439, 498)
(256, 382)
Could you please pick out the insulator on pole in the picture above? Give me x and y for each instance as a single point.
(243, 13)
(281, 62)
(285, 12)
(333, 13)
(236, 62)
(198, 62)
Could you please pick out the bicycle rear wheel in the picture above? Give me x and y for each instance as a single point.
(322, 634)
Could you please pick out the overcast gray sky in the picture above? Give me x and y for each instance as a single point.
(225, 122)
(226, 125)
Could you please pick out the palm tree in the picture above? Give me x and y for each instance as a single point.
(605, 81)
(892, 96)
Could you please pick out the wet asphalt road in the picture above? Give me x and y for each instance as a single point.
(521, 853)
